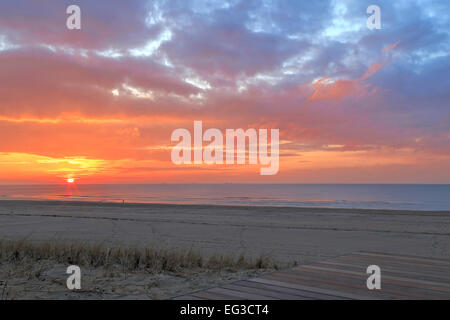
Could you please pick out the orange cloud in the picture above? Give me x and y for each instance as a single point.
(336, 90)
(326, 89)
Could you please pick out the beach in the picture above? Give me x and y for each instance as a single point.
(287, 235)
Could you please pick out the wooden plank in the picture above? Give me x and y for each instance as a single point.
(405, 257)
(239, 294)
(396, 264)
(401, 260)
(207, 294)
(336, 277)
(386, 270)
(395, 271)
(264, 292)
(357, 284)
(341, 280)
(302, 295)
(187, 297)
(406, 287)
(342, 287)
(407, 281)
(311, 289)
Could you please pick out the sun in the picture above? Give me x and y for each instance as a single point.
(70, 180)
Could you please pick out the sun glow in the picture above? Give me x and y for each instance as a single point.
(70, 180)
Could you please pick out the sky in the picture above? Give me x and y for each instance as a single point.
(99, 104)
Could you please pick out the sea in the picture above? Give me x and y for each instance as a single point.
(426, 197)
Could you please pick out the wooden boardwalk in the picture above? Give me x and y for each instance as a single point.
(344, 277)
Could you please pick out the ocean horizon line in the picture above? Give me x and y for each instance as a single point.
(365, 196)
(227, 183)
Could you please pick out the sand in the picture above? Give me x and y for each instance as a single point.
(47, 280)
(288, 234)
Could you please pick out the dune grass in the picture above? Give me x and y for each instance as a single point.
(127, 259)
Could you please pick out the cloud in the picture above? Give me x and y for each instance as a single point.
(326, 89)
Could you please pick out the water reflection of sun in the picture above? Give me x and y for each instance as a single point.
(71, 187)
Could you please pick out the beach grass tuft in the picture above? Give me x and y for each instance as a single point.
(127, 258)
